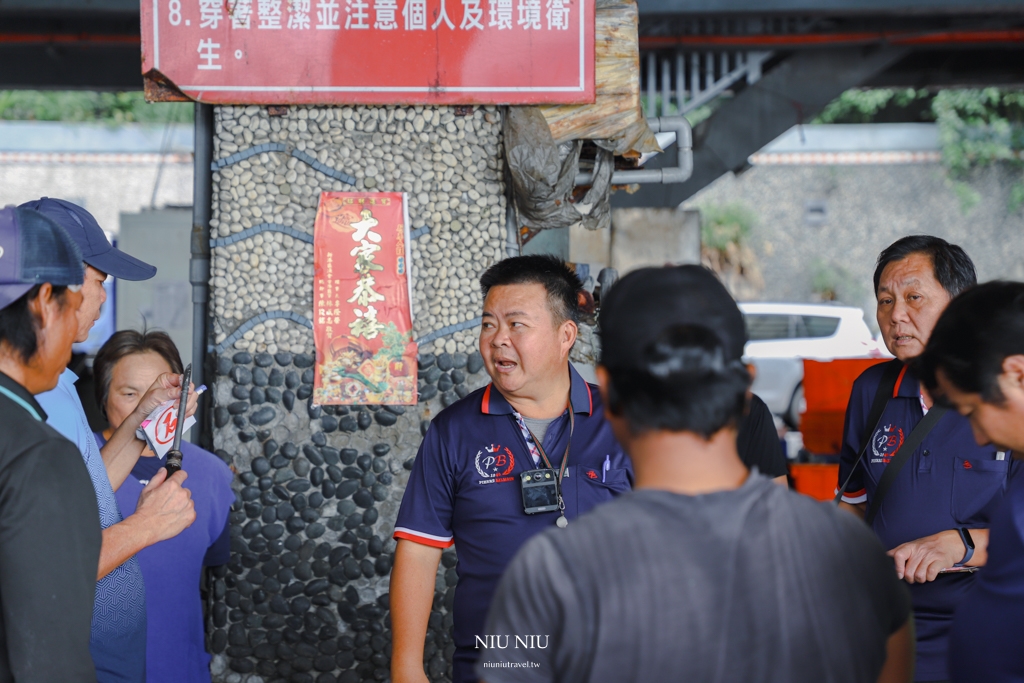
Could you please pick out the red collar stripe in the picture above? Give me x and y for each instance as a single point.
(899, 381)
(485, 405)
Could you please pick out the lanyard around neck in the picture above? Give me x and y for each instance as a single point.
(565, 456)
(21, 402)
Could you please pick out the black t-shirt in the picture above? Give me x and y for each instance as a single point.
(757, 584)
(758, 441)
(49, 546)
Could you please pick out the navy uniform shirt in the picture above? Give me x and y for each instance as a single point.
(987, 627)
(948, 482)
(464, 490)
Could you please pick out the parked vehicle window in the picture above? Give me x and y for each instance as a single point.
(762, 327)
(817, 326)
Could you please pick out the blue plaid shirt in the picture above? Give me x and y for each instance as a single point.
(118, 642)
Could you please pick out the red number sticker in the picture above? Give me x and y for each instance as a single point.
(165, 426)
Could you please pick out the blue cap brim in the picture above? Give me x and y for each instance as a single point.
(119, 264)
(11, 293)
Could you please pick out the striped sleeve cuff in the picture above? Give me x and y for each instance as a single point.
(855, 497)
(423, 538)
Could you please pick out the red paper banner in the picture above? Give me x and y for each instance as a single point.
(373, 51)
(362, 316)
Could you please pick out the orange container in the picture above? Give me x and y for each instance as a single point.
(816, 481)
(827, 386)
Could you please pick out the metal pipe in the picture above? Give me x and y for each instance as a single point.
(652, 71)
(511, 231)
(199, 263)
(666, 85)
(680, 82)
(676, 174)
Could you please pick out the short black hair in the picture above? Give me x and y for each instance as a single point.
(952, 266)
(685, 382)
(974, 335)
(127, 343)
(19, 327)
(558, 278)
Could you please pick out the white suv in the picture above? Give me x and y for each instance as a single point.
(780, 336)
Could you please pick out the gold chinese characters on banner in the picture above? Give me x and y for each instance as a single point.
(362, 315)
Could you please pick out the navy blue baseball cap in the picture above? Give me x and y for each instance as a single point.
(34, 250)
(88, 235)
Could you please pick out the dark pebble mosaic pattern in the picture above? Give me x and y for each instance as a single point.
(445, 375)
(304, 597)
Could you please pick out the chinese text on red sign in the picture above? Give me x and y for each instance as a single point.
(373, 51)
(362, 320)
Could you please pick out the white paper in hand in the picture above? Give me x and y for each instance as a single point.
(158, 429)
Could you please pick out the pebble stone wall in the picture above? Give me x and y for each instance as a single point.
(305, 596)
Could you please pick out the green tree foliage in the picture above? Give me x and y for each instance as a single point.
(107, 107)
(866, 106)
(832, 282)
(977, 128)
(725, 224)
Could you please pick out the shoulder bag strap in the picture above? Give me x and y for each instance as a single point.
(882, 395)
(901, 457)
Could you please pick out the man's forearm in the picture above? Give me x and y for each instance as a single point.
(122, 451)
(120, 542)
(412, 594)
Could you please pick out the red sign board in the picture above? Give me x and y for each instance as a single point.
(373, 51)
(362, 317)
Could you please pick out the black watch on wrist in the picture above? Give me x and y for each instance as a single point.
(965, 536)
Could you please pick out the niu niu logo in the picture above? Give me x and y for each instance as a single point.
(592, 474)
(885, 442)
(494, 463)
(492, 642)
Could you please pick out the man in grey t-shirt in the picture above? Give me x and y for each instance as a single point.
(705, 572)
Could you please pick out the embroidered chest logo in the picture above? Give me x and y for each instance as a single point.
(494, 463)
(885, 442)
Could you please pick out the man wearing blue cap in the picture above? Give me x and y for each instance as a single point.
(49, 538)
(118, 642)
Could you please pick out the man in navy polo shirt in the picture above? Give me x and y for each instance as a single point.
(975, 361)
(935, 516)
(465, 484)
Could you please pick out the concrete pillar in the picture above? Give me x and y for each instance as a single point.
(639, 237)
(305, 596)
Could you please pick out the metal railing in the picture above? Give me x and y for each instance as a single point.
(674, 83)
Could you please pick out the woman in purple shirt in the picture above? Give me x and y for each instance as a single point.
(175, 652)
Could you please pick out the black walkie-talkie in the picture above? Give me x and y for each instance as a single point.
(174, 455)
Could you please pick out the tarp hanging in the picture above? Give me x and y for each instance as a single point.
(542, 175)
(616, 118)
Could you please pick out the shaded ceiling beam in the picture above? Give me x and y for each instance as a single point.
(827, 7)
(792, 92)
(62, 66)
